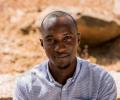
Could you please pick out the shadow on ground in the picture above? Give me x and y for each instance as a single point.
(106, 54)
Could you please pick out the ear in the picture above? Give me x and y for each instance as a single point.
(41, 42)
(78, 36)
(78, 48)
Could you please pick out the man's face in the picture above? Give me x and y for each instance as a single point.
(60, 42)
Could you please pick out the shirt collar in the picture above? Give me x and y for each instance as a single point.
(73, 78)
(51, 77)
(78, 67)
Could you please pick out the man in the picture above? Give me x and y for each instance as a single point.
(64, 76)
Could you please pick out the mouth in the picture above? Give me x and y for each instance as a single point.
(62, 56)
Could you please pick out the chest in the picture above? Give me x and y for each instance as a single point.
(74, 91)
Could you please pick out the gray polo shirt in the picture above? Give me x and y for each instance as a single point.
(89, 82)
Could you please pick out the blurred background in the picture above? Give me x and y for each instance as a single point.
(98, 22)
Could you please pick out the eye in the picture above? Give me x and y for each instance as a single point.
(49, 41)
(68, 38)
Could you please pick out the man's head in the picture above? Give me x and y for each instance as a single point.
(59, 38)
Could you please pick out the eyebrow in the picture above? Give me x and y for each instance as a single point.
(68, 33)
(48, 36)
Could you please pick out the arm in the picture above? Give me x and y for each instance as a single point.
(20, 90)
(107, 89)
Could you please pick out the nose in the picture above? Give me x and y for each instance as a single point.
(60, 47)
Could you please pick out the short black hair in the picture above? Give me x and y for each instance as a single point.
(58, 14)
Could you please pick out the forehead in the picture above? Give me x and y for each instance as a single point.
(55, 23)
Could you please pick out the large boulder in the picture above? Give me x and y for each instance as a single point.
(95, 30)
(95, 26)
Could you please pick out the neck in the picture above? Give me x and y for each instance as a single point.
(61, 75)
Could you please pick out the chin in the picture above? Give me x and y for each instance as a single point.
(63, 65)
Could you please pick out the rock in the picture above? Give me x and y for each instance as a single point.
(116, 9)
(6, 98)
(23, 22)
(107, 55)
(95, 26)
(17, 16)
(97, 21)
(7, 82)
(95, 30)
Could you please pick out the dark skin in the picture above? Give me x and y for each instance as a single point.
(60, 41)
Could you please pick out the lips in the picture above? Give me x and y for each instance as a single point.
(62, 56)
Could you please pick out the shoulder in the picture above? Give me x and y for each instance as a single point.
(26, 80)
(94, 71)
(98, 78)
(87, 66)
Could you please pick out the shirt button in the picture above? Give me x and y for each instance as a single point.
(64, 89)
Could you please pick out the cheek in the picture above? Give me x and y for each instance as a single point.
(46, 47)
(74, 43)
(48, 51)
